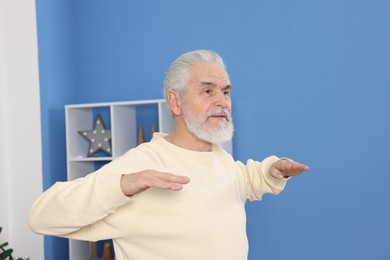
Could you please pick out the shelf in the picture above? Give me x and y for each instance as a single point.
(90, 159)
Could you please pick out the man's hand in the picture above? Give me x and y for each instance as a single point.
(135, 183)
(285, 168)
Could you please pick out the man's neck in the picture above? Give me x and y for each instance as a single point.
(187, 140)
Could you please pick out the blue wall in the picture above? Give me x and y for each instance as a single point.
(55, 26)
(310, 81)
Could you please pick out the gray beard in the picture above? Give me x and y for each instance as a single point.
(198, 126)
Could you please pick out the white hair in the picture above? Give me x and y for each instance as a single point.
(178, 74)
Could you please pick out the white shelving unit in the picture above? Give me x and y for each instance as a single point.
(121, 119)
(123, 125)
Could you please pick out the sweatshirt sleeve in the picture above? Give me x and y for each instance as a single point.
(256, 180)
(67, 207)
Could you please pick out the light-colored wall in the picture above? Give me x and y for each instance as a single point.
(20, 131)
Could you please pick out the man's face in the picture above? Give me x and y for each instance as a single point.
(207, 104)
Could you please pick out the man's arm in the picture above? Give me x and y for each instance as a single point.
(268, 176)
(68, 208)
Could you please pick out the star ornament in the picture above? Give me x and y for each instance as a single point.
(99, 138)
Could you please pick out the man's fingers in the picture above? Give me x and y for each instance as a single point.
(169, 177)
(286, 167)
(135, 183)
(165, 182)
(295, 167)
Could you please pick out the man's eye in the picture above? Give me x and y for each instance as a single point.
(208, 91)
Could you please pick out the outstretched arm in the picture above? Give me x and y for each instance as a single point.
(285, 168)
(71, 209)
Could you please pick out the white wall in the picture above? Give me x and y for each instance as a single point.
(20, 131)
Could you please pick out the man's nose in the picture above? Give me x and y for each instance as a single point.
(222, 100)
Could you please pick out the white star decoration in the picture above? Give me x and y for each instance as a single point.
(99, 138)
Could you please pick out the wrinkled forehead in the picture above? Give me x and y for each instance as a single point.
(209, 72)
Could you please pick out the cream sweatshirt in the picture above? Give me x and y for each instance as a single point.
(205, 220)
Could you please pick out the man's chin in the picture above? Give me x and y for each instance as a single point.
(217, 136)
(218, 125)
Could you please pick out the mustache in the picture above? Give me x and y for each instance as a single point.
(220, 112)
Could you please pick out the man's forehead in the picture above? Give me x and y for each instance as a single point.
(209, 73)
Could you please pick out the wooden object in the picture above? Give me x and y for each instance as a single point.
(141, 135)
(107, 254)
(92, 250)
(153, 131)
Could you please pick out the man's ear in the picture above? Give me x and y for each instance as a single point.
(174, 102)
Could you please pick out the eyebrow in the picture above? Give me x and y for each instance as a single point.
(207, 83)
(211, 84)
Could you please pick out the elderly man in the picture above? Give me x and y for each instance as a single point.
(180, 196)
